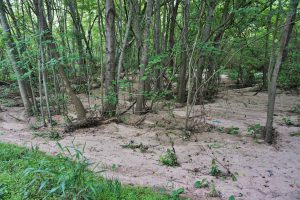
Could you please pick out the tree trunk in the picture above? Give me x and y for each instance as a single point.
(184, 54)
(14, 58)
(78, 34)
(110, 103)
(206, 33)
(290, 21)
(42, 62)
(157, 47)
(144, 60)
(173, 12)
(47, 36)
(121, 58)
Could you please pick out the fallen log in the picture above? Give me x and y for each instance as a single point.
(87, 123)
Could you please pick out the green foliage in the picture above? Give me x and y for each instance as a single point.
(289, 76)
(175, 194)
(221, 129)
(30, 174)
(233, 130)
(287, 121)
(132, 145)
(52, 134)
(203, 183)
(296, 109)
(214, 170)
(255, 129)
(231, 197)
(233, 178)
(169, 159)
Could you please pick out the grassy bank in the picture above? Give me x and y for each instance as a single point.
(30, 174)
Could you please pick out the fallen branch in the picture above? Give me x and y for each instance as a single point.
(87, 123)
(16, 118)
(122, 113)
(140, 121)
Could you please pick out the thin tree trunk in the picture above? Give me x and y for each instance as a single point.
(110, 87)
(121, 58)
(181, 96)
(78, 34)
(47, 36)
(101, 28)
(173, 12)
(42, 61)
(205, 37)
(14, 58)
(144, 60)
(157, 46)
(265, 67)
(290, 21)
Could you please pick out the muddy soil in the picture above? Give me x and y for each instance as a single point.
(263, 171)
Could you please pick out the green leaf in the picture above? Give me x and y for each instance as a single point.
(233, 177)
(231, 198)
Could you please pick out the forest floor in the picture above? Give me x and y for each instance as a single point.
(262, 171)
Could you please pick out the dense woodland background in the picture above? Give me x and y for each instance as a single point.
(144, 52)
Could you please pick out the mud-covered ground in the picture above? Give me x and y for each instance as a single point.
(262, 171)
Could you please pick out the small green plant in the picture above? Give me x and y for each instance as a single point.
(2, 191)
(233, 178)
(203, 183)
(295, 109)
(233, 130)
(169, 159)
(221, 129)
(175, 194)
(254, 130)
(287, 121)
(52, 135)
(124, 120)
(216, 145)
(34, 126)
(132, 145)
(213, 192)
(231, 197)
(214, 170)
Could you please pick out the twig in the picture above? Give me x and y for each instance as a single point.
(140, 121)
(18, 119)
(122, 113)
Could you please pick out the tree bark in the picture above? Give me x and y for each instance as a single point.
(144, 59)
(125, 41)
(110, 102)
(47, 36)
(157, 47)
(181, 96)
(289, 24)
(14, 58)
(173, 11)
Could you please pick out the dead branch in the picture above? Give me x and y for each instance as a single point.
(16, 118)
(122, 113)
(140, 121)
(88, 123)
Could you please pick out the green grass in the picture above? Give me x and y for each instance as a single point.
(31, 174)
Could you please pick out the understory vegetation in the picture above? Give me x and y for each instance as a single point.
(30, 174)
(76, 64)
